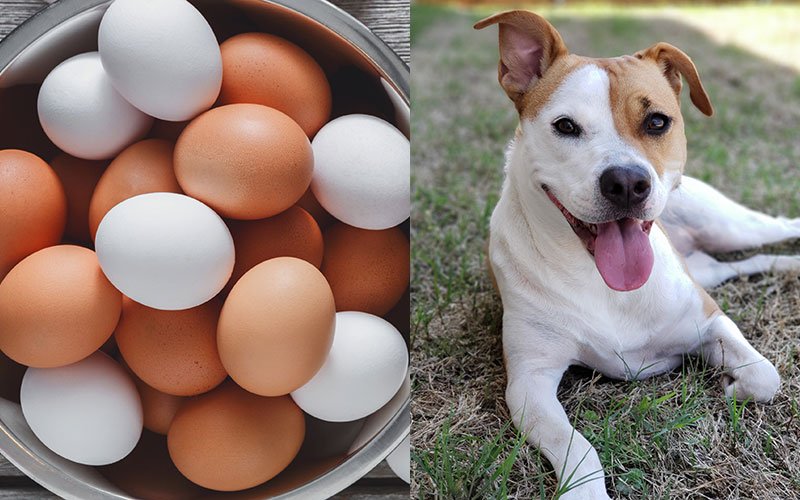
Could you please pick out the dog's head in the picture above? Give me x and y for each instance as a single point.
(603, 138)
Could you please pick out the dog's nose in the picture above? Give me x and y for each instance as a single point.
(625, 187)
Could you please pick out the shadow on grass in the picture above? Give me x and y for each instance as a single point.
(671, 436)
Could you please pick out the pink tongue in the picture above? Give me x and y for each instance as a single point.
(623, 254)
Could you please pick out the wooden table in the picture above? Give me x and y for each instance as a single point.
(389, 19)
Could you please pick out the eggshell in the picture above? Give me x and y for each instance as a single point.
(259, 68)
(246, 161)
(362, 171)
(292, 233)
(79, 178)
(165, 250)
(158, 408)
(276, 326)
(174, 352)
(56, 307)
(367, 270)
(144, 167)
(82, 113)
(162, 57)
(24, 131)
(88, 412)
(365, 368)
(230, 439)
(400, 460)
(33, 207)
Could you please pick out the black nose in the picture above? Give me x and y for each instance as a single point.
(625, 187)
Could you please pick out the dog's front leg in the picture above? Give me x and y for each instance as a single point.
(748, 374)
(533, 377)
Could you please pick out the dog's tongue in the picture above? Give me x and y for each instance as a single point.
(623, 254)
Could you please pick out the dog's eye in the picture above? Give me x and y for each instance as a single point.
(565, 126)
(656, 124)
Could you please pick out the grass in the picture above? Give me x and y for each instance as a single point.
(672, 436)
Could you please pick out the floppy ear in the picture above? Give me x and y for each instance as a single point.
(674, 63)
(528, 47)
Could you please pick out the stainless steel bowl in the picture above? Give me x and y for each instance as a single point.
(342, 45)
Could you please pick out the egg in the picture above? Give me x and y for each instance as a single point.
(367, 270)
(246, 161)
(79, 178)
(259, 68)
(276, 326)
(143, 167)
(174, 352)
(400, 460)
(164, 250)
(158, 408)
(365, 368)
(362, 171)
(56, 307)
(88, 412)
(26, 181)
(161, 56)
(292, 233)
(230, 439)
(82, 113)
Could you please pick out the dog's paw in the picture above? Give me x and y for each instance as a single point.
(758, 381)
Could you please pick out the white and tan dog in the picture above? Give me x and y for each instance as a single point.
(586, 276)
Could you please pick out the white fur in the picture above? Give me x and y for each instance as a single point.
(558, 311)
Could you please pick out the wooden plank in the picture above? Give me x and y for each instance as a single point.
(390, 20)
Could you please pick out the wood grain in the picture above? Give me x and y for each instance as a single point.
(390, 20)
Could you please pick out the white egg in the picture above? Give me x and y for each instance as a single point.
(365, 368)
(400, 460)
(165, 250)
(162, 56)
(88, 412)
(82, 113)
(362, 171)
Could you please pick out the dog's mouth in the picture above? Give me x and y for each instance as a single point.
(620, 248)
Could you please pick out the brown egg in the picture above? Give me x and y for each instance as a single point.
(246, 161)
(309, 203)
(79, 178)
(23, 131)
(368, 270)
(159, 408)
(33, 207)
(56, 307)
(400, 315)
(292, 233)
(230, 439)
(276, 327)
(144, 167)
(174, 352)
(265, 69)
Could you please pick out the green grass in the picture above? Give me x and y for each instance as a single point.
(673, 436)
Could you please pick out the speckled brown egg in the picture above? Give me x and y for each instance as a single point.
(56, 307)
(174, 352)
(368, 270)
(246, 161)
(159, 409)
(143, 167)
(292, 233)
(259, 68)
(33, 207)
(79, 178)
(276, 327)
(230, 439)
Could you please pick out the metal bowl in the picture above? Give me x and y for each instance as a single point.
(353, 57)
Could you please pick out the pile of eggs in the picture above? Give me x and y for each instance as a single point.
(210, 256)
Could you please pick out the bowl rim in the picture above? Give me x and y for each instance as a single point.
(397, 74)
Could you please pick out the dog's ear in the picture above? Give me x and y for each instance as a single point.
(674, 63)
(528, 47)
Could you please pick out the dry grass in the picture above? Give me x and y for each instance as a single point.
(673, 436)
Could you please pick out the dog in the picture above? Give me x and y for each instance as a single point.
(599, 245)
